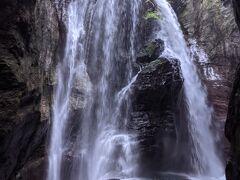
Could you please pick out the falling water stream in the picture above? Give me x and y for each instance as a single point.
(101, 49)
(204, 156)
(67, 71)
(101, 41)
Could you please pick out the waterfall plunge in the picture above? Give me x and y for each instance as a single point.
(100, 41)
(204, 156)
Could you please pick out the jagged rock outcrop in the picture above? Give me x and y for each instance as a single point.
(157, 92)
(29, 37)
(155, 99)
(232, 127)
(147, 24)
(151, 51)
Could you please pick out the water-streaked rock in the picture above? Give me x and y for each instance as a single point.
(29, 37)
(156, 94)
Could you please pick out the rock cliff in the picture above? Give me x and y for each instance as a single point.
(29, 37)
(232, 130)
(232, 127)
(157, 115)
(157, 95)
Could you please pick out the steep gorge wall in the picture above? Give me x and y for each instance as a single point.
(232, 128)
(29, 37)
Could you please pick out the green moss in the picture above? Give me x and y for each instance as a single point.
(150, 48)
(153, 66)
(151, 15)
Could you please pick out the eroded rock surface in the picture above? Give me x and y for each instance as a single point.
(29, 36)
(151, 51)
(232, 130)
(232, 127)
(157, 95)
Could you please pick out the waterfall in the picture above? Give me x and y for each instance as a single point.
(101, 46)
(93, 88)
(204, 155)
(66, 72)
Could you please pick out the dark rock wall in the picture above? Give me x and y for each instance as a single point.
(236, 7)
(232, 130)
(232, 127)
(157, 95)
(29, 35)
(157, 92)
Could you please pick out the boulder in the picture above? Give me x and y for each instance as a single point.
(156, 94)
(151, 51)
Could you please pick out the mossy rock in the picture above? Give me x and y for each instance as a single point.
(151, 51)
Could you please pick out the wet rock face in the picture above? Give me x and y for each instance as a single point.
(236, 7)
(232, 127)
(151, 51)
(156, 95)
(29, 36)
(147, 24)
(232, 130)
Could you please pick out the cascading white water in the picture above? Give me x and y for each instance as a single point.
(111, 154)
(101, 43)
(204, 156)
(103, 149)
(67, 70)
